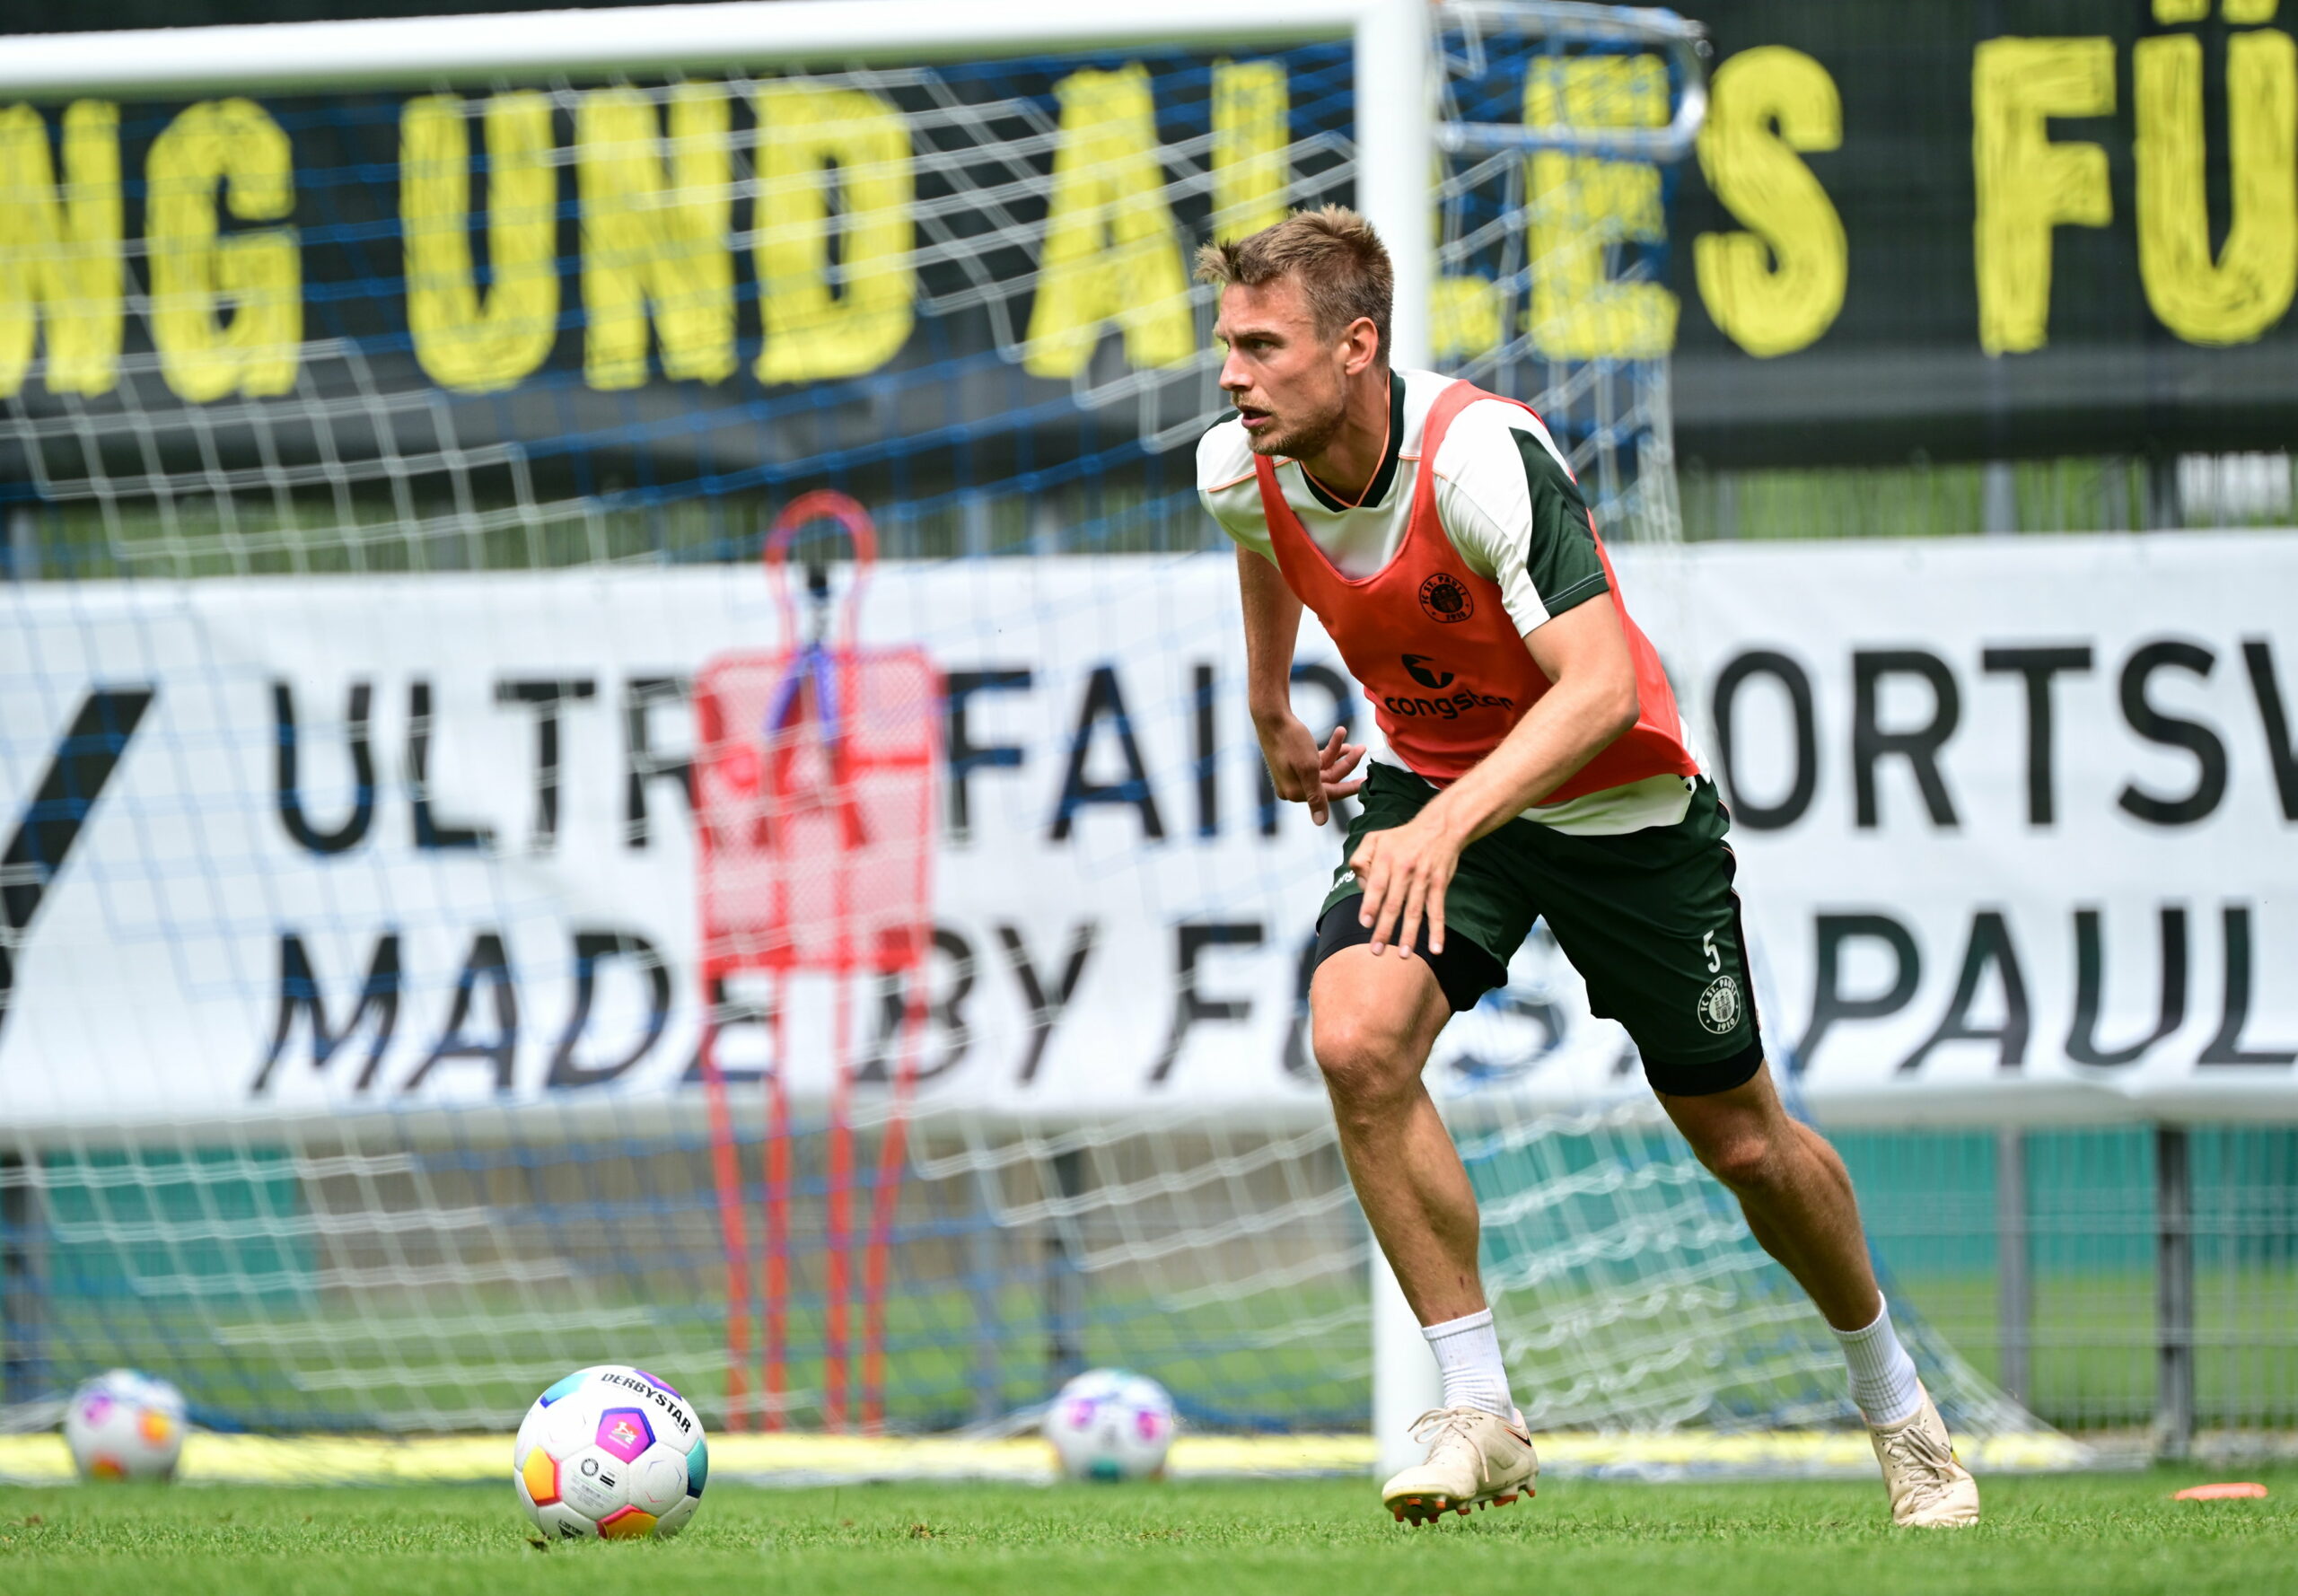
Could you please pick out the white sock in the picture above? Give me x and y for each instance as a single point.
(1883, 1376)
(1468, 1356)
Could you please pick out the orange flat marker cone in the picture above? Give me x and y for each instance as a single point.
(2224, 1491)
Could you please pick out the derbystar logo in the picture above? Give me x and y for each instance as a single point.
(659, 1397)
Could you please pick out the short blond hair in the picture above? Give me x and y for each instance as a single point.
(1341, 264)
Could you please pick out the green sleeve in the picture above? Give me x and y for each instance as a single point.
(1562, 559)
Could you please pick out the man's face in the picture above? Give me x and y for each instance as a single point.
(1289, 385)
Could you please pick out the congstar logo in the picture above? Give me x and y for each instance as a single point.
(1426, 671)
(1449, 706)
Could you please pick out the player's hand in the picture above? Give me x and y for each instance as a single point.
(1304, 773)
(1404, 873)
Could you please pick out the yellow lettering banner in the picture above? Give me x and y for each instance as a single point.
(1113, 252)
(2026, 184)
(817, 145)
(1774, 288)
(227, 314)
(464, 341)
(60, 248)
(2235, 298)
(656, 222)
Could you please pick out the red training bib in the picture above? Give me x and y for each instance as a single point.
(1434, 645)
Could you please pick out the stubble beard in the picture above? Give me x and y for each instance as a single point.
(1305, 440)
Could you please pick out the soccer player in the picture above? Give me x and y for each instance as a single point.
(1539, 770)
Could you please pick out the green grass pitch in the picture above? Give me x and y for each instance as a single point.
(2096, 1534)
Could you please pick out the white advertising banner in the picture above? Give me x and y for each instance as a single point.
(2017, 823)
(2018, 818)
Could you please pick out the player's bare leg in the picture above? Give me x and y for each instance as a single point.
(1799, 1204)
(1794, 1189)
(1375, 1018)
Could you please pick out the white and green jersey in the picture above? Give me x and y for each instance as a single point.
(1508, 503)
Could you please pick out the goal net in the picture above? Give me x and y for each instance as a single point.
(388, 1024)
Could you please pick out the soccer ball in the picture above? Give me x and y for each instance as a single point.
(610, 1452)
(124, 1426)
(1109, 1423)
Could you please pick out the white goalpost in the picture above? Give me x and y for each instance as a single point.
(395, 413)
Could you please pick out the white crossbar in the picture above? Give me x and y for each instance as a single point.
(750, 34)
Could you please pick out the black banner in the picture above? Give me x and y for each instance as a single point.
(2066, 227)
(1936, 229)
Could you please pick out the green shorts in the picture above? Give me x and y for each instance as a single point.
(1647, 918)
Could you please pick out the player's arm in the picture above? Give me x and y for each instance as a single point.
(1302, 771)
(1584, 652)
(1404, 872)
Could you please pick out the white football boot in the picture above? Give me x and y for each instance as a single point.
(1929, 1489)
(1475, 1459)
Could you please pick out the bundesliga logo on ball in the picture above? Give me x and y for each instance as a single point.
(612, 1453)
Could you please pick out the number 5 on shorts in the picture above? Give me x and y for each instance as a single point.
(1708, 946)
